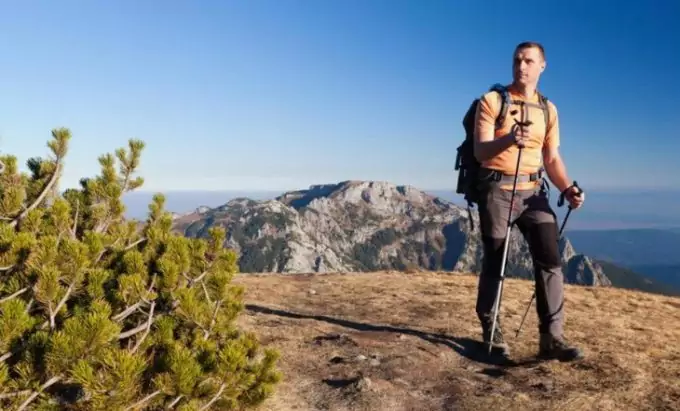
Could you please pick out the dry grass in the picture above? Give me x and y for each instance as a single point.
(419, 338)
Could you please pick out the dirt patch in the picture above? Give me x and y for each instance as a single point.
(410, 341)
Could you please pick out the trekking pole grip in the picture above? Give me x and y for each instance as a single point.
(560, 201)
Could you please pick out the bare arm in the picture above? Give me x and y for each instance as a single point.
(486, 148)
(552, 159)
(486, 145)
(554, 166)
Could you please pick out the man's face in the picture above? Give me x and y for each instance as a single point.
(527, 66)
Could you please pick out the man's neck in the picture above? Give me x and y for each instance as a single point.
(526, 91)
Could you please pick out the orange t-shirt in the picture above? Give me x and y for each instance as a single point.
(532, 154)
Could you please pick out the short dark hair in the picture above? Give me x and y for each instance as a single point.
(529, 44)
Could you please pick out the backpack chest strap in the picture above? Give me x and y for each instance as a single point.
(528, 104)
(507, 100)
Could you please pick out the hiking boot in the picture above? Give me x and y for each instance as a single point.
(551, 347)
(498, 346)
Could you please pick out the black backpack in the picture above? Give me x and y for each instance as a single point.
(466, 163)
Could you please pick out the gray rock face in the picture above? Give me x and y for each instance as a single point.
(365, 226)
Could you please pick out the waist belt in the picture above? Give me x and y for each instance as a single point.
(499, 177)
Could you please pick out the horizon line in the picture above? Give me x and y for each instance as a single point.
(449, 189)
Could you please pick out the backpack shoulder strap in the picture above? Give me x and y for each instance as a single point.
(546, 108)
(505, 102)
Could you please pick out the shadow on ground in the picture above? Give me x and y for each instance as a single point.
(473, 350)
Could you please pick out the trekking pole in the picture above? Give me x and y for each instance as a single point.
(560, 202)
(499, 291)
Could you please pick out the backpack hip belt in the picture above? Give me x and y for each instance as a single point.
(487, 174)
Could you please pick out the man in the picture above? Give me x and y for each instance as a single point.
(497, 151)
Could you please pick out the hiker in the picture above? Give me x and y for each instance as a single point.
(530, 122)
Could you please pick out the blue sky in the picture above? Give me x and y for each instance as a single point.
(282, 94)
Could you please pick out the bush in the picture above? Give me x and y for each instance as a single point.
(101, 313)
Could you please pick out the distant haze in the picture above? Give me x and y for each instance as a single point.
(604, 209)
(614, 209)
(137, 203)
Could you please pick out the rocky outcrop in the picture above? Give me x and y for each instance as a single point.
(364, 226)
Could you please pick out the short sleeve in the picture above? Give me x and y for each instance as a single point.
(552, 135)
(485, 120)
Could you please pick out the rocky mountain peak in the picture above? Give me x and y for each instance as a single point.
(566, 249)
(379, 192)
(364, 226)
(202, 209)
(582, 269)
(380, 197)
(239, 202)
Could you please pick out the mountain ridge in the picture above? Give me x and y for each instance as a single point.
(357, 225)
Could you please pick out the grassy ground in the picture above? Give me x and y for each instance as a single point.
(410, 341)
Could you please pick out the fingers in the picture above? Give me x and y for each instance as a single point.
(576, 199)
(521, 134)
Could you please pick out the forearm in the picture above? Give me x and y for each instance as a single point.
(557, 173)
(485, 150)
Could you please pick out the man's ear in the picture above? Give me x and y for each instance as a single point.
(543, 66)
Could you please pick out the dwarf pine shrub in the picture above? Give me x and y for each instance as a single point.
(98, 312)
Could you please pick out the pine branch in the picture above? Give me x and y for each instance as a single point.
(48, 322)
(103, 252)
(207, 332)
(126, 180)
(148, 290)
(135, 244)
(131, 309)
(16, 294)
(118, 317)
(192, 281)
(205, 291)
(75, 220)
(127, 248)
(175, 401)
(143, 400)
(14, 394)
(40, 198)
(35, 394)
(148, 328)
(53, 314)
(127, 312)
(103, 225)
(138, 329)
(200, 277)
(143, 326)
(214, 398)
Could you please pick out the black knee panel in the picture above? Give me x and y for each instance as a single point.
(493, 256)
(545, 246)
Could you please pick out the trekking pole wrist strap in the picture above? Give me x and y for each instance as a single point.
(560, 201)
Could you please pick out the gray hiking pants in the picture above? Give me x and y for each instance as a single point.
(538, 224)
